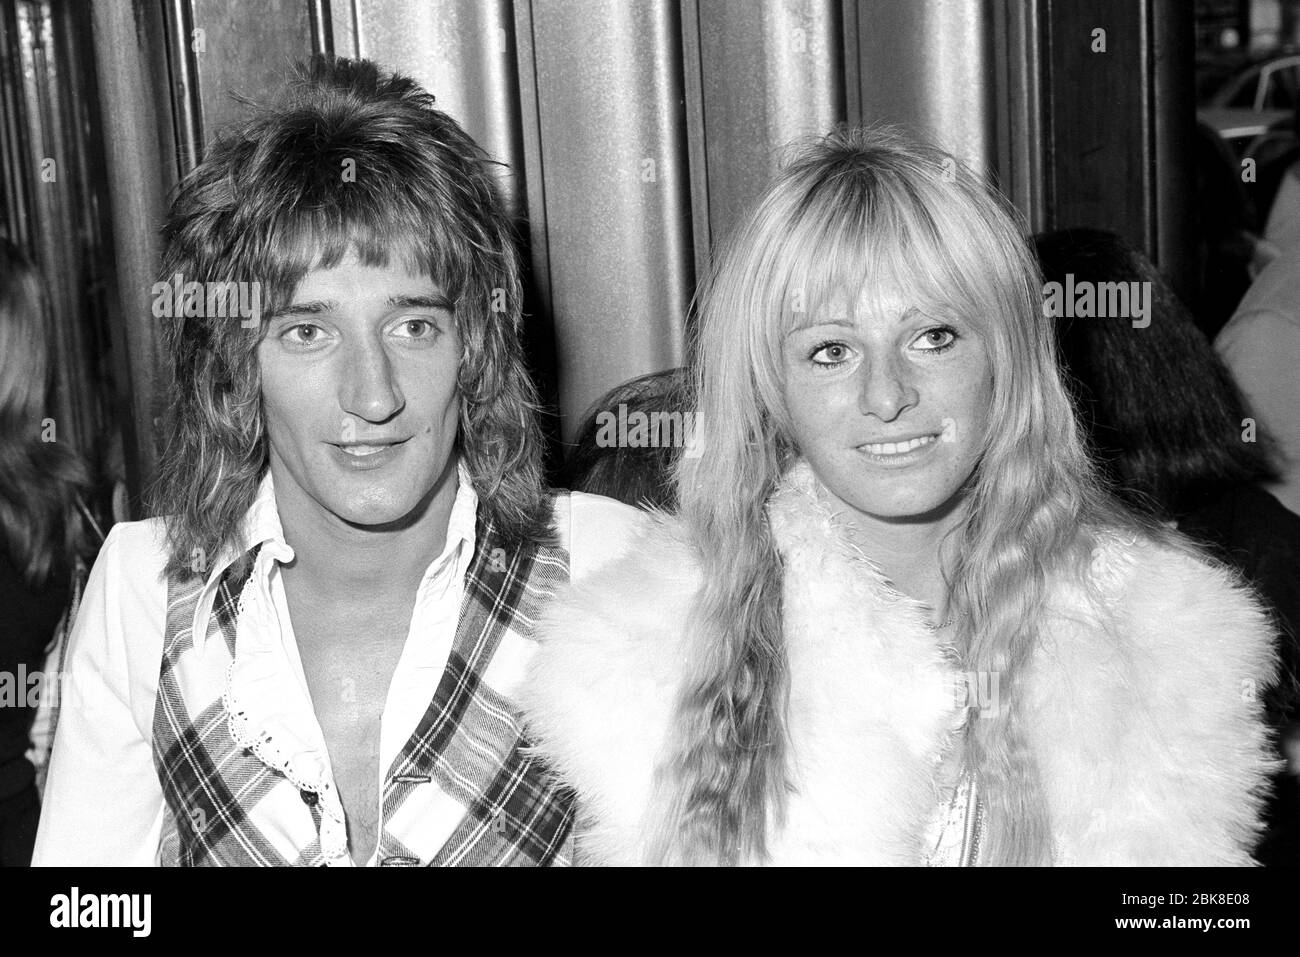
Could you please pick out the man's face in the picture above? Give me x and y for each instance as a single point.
(359, 391)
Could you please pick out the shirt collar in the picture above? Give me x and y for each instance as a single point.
(461, 523)
(261, 526)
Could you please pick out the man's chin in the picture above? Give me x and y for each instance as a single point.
(383, 502)
(379, 514)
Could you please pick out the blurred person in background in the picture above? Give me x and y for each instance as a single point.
(633, 462)
(1277, 182)
(897, 618)
(1226, 228)
(1167, 425)
(1261, 347)
(42, 537)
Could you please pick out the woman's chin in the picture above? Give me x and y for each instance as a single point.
(908, 505)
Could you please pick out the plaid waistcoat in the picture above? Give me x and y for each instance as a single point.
(468, 755)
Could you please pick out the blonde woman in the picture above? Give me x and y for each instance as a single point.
(897, 619)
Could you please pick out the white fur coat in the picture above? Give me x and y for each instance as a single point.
(1148, 734)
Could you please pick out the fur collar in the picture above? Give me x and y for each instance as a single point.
(1145, 713)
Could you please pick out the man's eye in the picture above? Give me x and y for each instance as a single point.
(417, 329)
(829, 353)
(304, 333)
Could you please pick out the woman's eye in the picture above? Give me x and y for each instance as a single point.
(830, 353)
(937, 339)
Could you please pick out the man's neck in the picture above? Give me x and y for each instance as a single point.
(339, 558)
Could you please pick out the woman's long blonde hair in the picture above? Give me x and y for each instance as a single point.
(853, 211)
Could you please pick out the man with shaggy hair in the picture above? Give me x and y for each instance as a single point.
(311, 656)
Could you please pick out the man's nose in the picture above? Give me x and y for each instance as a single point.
(369, 389)
(886, 388)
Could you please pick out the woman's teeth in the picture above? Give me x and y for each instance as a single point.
(360, 450)
(897, 448)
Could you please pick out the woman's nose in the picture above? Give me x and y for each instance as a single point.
(886, 389)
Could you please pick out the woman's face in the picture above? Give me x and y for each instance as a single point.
(889, 405)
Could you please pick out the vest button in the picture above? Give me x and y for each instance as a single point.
(309, 798)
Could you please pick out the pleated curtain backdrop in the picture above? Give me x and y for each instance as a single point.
(633, 133)
(52, 206)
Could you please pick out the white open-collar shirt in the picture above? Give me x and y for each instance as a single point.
(103, 804)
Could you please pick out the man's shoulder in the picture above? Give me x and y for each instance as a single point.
(596, 507)
(142, 535)
(120, 623)
(600, 691)
(137, 550)
(596, 530)
(129, 576)
(634, 604)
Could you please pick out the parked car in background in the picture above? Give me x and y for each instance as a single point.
(1261, 97)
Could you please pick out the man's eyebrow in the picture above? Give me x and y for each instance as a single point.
(318, 307)
(314, 308)
(435, 301)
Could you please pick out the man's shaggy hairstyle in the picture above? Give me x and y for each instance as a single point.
(271, 202)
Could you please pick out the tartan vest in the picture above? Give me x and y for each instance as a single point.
(225, 806)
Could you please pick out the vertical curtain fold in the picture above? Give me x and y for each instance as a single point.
(633, 133)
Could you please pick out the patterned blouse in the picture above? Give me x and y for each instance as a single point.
(953, 838)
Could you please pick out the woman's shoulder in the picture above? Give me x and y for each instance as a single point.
(1175, 605)
(1157, 681)
(1164, 571)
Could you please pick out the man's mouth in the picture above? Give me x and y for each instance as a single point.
(361, 450)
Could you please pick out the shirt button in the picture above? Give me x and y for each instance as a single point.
(411, 779)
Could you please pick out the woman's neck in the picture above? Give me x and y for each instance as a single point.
(916, 556)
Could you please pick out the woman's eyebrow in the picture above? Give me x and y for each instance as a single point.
(813, 322)
(934, 311)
